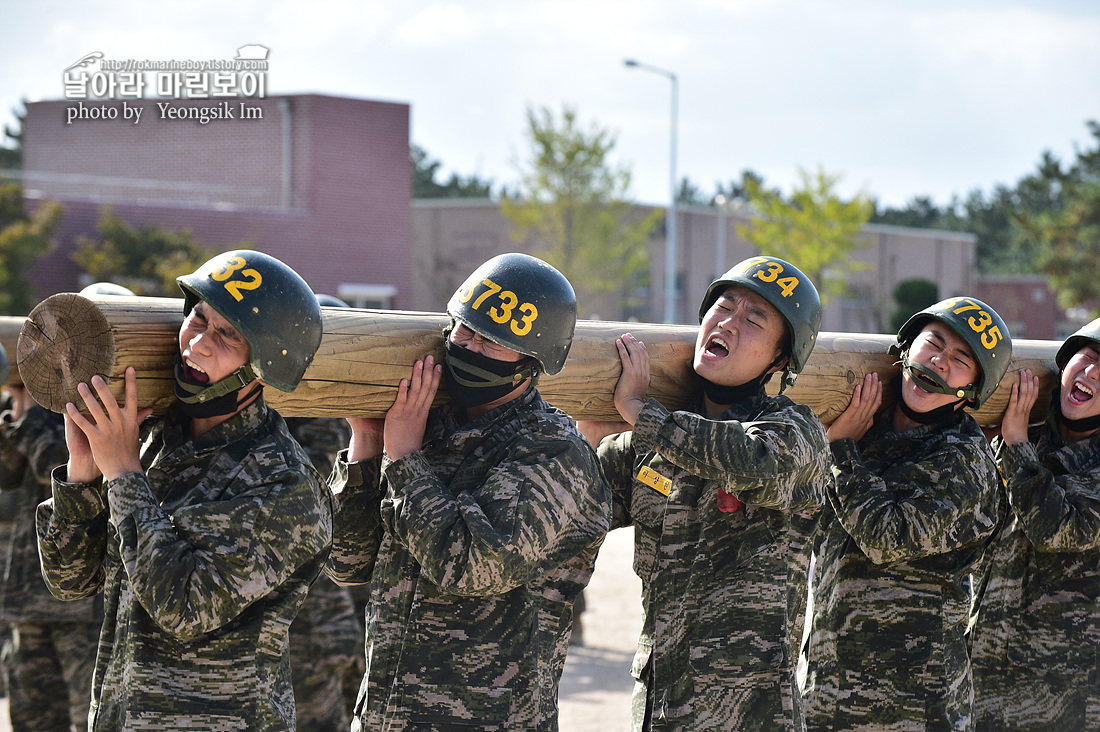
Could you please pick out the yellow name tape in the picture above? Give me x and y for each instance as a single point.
(655, 480)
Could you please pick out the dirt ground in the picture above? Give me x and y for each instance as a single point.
(595, 688)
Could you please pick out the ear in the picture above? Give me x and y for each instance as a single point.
(779, 364)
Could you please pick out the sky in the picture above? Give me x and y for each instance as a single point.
(897, 99)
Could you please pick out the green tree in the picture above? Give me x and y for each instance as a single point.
(146, 260)
(23, 239)
(1068, 244)
(815, 230)
(11, 153)
(912, 296)
(425, 186)
(572, 202)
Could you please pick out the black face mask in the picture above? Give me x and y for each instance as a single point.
(474, 379)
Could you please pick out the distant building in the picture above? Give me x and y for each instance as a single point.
(320, 182)
(1027, 304)
(450, 233)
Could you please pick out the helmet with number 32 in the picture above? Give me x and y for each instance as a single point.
(789, 291)
(269, 304)
(980, 327)
(522, 303)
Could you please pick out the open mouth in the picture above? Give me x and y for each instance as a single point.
(717, 347)
(924, 383)
(193, 372)
(1080, 393)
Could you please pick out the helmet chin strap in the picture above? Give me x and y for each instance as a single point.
(938, 385)
(191, 393)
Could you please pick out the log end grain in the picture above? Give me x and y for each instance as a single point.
(64, 341)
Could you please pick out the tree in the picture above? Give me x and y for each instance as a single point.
(815, 230)
(573, 203)
(1068, 244)
(11, 156)
(146, 260)
(425, 185)
(912, 296)
(23, 239)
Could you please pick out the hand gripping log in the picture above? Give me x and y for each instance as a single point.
(365, 353)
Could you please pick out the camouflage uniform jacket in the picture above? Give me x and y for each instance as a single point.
(1041, 607)
(475, 547)
(203, 561)
(722, 592)
(912, 513)
(30, 448)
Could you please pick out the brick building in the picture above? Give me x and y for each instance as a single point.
(321, 182)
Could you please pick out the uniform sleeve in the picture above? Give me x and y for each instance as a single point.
(1057, 513)
(534, 511)
(196, 569)
(35, 442)
(777, 462)
(72, 538)
(946, 501)
(356, 520)
(616, 456)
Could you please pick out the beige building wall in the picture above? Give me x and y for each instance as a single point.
(452, 236)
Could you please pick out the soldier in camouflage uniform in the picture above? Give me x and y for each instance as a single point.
(204, 543)
(722, 497)
(53, 643)
(914, 504)
(1034, 648)
(479, 523)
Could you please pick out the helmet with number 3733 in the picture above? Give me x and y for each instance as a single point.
(269, 304)
(520, 302)
(789, 291)
(981, 328)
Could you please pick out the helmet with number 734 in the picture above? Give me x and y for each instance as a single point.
(269, 304)
(981, 328)
(520, 302)
(789, 291)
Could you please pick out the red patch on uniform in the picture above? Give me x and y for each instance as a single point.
(728, 502)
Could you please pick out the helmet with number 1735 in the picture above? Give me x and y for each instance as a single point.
(984, 332)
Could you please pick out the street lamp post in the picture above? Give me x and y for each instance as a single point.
(670, 228)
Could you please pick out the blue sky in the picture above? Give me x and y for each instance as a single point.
(900, 99)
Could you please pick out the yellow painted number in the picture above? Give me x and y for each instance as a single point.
(530, 314)
(508, 305)
(251, 279)
(990, 338)
(786, 285)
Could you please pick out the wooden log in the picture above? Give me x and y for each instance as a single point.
(365, 353)
(10, 325)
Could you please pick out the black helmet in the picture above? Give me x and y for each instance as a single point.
(331, 301)
(981, 328)
(1088, 334)
(522, 303)
(789, 291)
(5, 367)
(269, 304)
(106, 288)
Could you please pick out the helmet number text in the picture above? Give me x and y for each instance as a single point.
(786, 284)
(979, 324)
(250, 279)
(508, 304)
